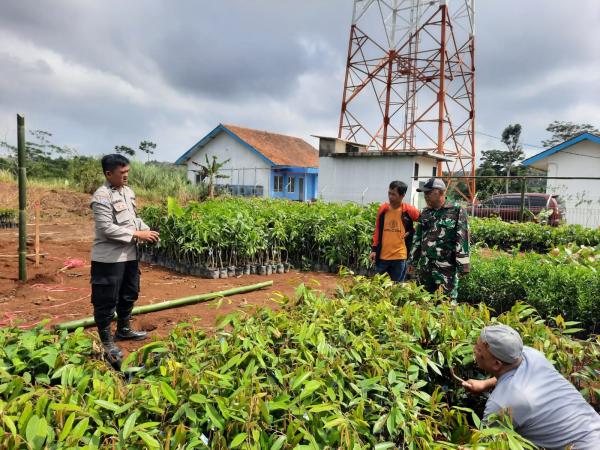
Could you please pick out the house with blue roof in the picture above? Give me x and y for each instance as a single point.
(575, 158)
(259, 163)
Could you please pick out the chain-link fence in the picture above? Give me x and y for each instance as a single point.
(549, 200)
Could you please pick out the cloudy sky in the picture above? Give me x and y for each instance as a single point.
(100, 74)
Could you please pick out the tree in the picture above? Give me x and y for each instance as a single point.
(511, 138)
(124, 150)
(210, 171)
(563, 131)
(148, 148)
(39, 153)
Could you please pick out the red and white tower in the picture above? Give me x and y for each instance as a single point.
(410, 80)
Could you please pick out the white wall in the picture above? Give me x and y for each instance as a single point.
(244, 168)
(426, 166)
(366, 179)
(581, 197)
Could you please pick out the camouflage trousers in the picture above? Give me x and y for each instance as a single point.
(435, 279)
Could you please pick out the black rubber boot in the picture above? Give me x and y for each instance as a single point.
(111, 351)
(124, 331)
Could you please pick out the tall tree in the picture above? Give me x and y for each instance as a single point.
(209, 171)
(511, 138)
(148, 148)
(124, 150)
(562, 131)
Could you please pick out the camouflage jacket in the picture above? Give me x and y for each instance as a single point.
(441, 240)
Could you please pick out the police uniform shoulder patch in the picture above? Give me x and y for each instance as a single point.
(102, 199)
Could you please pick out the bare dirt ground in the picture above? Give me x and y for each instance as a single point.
(57, 295)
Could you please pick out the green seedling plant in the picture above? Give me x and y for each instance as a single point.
(365, 367)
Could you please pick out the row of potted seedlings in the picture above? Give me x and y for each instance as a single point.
(202, 271)
(8, 218)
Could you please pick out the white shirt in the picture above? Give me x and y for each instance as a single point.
(545, 408)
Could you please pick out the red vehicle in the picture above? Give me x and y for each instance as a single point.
(544, 208)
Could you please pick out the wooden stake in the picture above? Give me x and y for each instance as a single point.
(37, 233)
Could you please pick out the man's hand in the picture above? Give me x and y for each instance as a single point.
(410, 269)
(372, 256)
(146, 236)
(479, 386)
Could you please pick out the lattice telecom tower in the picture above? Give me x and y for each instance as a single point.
(410, 80)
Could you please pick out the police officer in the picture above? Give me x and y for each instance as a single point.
(115, 273)
(440, 250)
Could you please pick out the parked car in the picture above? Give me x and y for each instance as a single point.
(545, 208)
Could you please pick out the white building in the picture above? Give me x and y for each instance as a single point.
(260, 163)
(350, 173)
(576, 157)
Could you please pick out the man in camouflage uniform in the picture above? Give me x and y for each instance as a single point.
(440, 250)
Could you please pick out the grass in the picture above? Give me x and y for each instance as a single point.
(151, 183)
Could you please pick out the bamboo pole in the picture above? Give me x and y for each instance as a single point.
(22, 198)
(89, 321)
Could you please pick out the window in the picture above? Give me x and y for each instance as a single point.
(537, 201)
(278, 183)
(434, 172)
(416, 172)
(198, 178)
(239, 189)
(291, 185)
(508, 201)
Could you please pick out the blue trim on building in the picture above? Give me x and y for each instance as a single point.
(183, 159)
(309, 189)
(297, 169)
(559, 147)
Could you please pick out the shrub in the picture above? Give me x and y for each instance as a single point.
(552, 287)
(528, 235)
(86, 172)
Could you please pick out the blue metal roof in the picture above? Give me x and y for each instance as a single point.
(183, 159)
(559, 147)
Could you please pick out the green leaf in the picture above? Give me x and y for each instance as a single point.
(65, 407)
(215, 417)
(238, 439)
(198, 398)
(9, 423)
(130, 424)
(335, 422)
(67, 427)
(50, 357)
(278, 443)
(168, 392)
(384, 445)
(321, 408)
(300, 379)
(107, 405)
(80, 429)
(36, 432)
(378, 426)
(149, 440)
(309, 388)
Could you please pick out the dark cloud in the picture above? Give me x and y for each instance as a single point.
(98, 74)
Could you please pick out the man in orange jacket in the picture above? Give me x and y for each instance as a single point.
(393, 234)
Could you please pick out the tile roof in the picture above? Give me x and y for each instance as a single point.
(280, 149)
